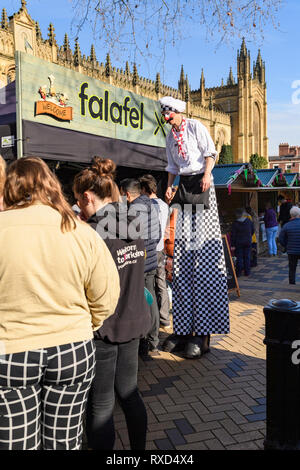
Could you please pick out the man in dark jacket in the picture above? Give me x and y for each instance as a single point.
(241, 239)
(146, 211)
(284, 212)
(289, 238)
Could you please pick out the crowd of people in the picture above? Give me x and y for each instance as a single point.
(282, 224)
(83, 289)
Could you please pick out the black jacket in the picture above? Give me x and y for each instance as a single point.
(147, 212)
(284, 213)
(131, 319)
(241, 233)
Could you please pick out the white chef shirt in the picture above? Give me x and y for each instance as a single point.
(197, 144)
(163, 220)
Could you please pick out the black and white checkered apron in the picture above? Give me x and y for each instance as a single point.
(199, 289)
(43, 394)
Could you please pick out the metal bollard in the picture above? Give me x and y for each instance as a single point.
(282, 338)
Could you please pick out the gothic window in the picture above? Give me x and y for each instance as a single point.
(257, 129)
(11, 74)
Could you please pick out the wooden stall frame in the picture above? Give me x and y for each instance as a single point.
(237, 288)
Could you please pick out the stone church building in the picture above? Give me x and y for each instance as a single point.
(235, 113)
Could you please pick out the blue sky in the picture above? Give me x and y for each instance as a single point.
(280, 50)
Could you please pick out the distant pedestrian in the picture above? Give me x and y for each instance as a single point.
(271, 224)
(289, 238)
(149, 187)
(284, 210)
(255, 237)
(241, 239)
(53, 293)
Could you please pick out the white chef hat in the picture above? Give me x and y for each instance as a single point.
(168, 103)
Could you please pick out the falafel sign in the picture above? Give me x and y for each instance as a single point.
(56, 96)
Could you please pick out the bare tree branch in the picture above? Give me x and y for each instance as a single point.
(144, 28)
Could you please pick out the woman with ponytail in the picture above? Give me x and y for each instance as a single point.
(117, 340)
(58, 284)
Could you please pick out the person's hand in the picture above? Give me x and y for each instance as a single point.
(169, 194)
(205, 182)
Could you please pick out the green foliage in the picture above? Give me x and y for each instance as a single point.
(226, 155)
(258, 162)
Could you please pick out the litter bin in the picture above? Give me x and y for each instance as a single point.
(282, 337)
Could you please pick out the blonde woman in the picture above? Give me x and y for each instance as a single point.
(58, 284)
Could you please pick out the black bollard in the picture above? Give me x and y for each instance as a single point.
(282, 338)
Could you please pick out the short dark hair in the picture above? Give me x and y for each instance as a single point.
(130, 185)
(148, 183)
(281, 198)
(239, 212)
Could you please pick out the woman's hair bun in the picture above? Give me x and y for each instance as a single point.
(104, 167)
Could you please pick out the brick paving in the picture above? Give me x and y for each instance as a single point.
(218, 401)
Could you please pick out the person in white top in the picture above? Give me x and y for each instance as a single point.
(199, 288)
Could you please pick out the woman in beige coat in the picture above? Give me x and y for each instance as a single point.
(58, 284)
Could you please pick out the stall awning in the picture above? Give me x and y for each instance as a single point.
(54, 143)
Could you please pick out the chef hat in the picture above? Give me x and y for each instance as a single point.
(167, 103)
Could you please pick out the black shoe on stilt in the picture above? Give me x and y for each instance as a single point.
(193, 349)
(174, 343)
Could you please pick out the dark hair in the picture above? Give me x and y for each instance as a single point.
(131, 185)
(30, 180)
(98, 178)
(148, 183)
(239, 212)
(281, 198)
(249, 210)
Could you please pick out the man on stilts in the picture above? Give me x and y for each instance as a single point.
(200, 297)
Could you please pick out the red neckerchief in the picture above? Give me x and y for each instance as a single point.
(179, 139)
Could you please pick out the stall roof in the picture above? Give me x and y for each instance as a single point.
(227, 176)
(224, 174)
(267, 176)
(291, 178)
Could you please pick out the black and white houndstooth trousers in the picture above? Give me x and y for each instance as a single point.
(43, 394)
(199, 288)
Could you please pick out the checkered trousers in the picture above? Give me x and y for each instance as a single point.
(199, 289)
(43, 394)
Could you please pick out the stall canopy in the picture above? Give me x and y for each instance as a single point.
(66, 116)
(8, 121)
